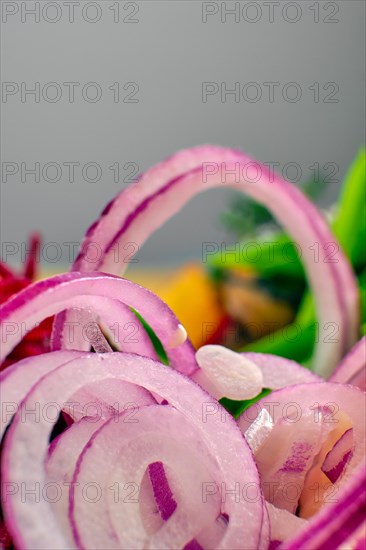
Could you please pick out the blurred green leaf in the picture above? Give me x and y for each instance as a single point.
(362, 290)
(292, 341)
(279, 269)
(271, 255)
(300, 349)
(246, 217)
(349, 225)
(306, 313)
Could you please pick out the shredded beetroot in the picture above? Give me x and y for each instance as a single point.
(37, 341)
(5, 538)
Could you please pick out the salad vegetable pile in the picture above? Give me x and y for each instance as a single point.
(120, 439)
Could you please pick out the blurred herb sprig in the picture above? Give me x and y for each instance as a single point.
(277, 273)
(246, 217)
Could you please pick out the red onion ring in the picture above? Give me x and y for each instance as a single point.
(352, 370)
(288, 409)
(26, 446)
(279, 372)
(302, 399)
(171, 432)
(161, 434)
(165, 188)
(283, 524)
(113, 314)
(19, 378)
(338, 457)
(53, 295)
(61, 462)
(338, 521)
(66, 448)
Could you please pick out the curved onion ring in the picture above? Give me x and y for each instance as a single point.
(338, 457)
(116, 319)
(302, 399)
(323, 401)
(165, 188)
(63, 454)
(102, 400)
(131, 449)
(283, 524)
(66, 448)
(183, 438)
(53, 295)
(303, 417)
(279, 372)
(338, 522)
(352, 370)
(34, 525)
(19, 378)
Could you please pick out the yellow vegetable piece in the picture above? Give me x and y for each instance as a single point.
(191, 295)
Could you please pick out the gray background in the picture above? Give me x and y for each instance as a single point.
(169, 52)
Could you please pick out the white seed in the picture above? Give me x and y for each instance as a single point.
(233, 375)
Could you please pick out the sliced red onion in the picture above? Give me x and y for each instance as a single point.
(102, 400)
(162, 492)
(60, 465)
(165, 504)
(303, 416)
(352, 369)
(279, 372)
(337, 521)
(85, 332)
(283, 524)
(338, 457)
(94, 292)
(265, 539)
(106, 399)
(119, 323)
(284, 460)
(259, 430)
(213, 533)
(193, 545)
(164, 189)
(178, 338)
(222, 448)
(161, 433)
(225, 373)
(18, 379)
(356, 541)
(111, 397)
